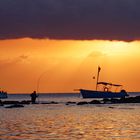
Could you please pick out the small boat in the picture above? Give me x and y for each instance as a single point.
(106, 92)
(3, 94)
(102, 94)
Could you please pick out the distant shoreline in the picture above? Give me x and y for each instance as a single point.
(138, 92)
(47, 93)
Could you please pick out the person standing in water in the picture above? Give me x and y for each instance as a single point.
(33, 97)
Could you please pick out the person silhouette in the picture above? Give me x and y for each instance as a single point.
(33, 97)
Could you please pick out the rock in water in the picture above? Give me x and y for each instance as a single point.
(14, 106)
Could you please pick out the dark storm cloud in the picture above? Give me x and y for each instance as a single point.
(70, 19)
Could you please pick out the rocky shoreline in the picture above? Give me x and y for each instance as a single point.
(113, 101)
(14, 104)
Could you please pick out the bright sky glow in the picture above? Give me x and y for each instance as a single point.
(68, 64)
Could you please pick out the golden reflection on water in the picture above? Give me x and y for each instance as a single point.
(61, 122)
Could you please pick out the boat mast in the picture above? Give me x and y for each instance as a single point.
(98, 76)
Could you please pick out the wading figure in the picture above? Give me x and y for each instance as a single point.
(33, 97)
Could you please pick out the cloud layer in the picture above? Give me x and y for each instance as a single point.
(70, 19)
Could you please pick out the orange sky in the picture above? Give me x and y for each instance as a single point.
(62, 66)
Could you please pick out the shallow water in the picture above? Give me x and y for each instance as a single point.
(71, 122)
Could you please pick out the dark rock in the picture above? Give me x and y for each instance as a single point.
(131, 100)
(95, 102)
(68, 103)
(14, 106)
(106, 101)
(1, 103)
(16, 102)
(25, 102)
(111, 107)
(137, 99)
(11, 102)
(82, 103)
(114, 101)
(52, 102)
(71, 102)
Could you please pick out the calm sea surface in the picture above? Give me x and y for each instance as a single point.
(69, 122)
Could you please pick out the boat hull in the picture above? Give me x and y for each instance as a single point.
(101, 94)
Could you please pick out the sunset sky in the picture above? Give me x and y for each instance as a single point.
(57, 45)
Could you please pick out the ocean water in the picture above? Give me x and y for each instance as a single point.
(69, 122)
